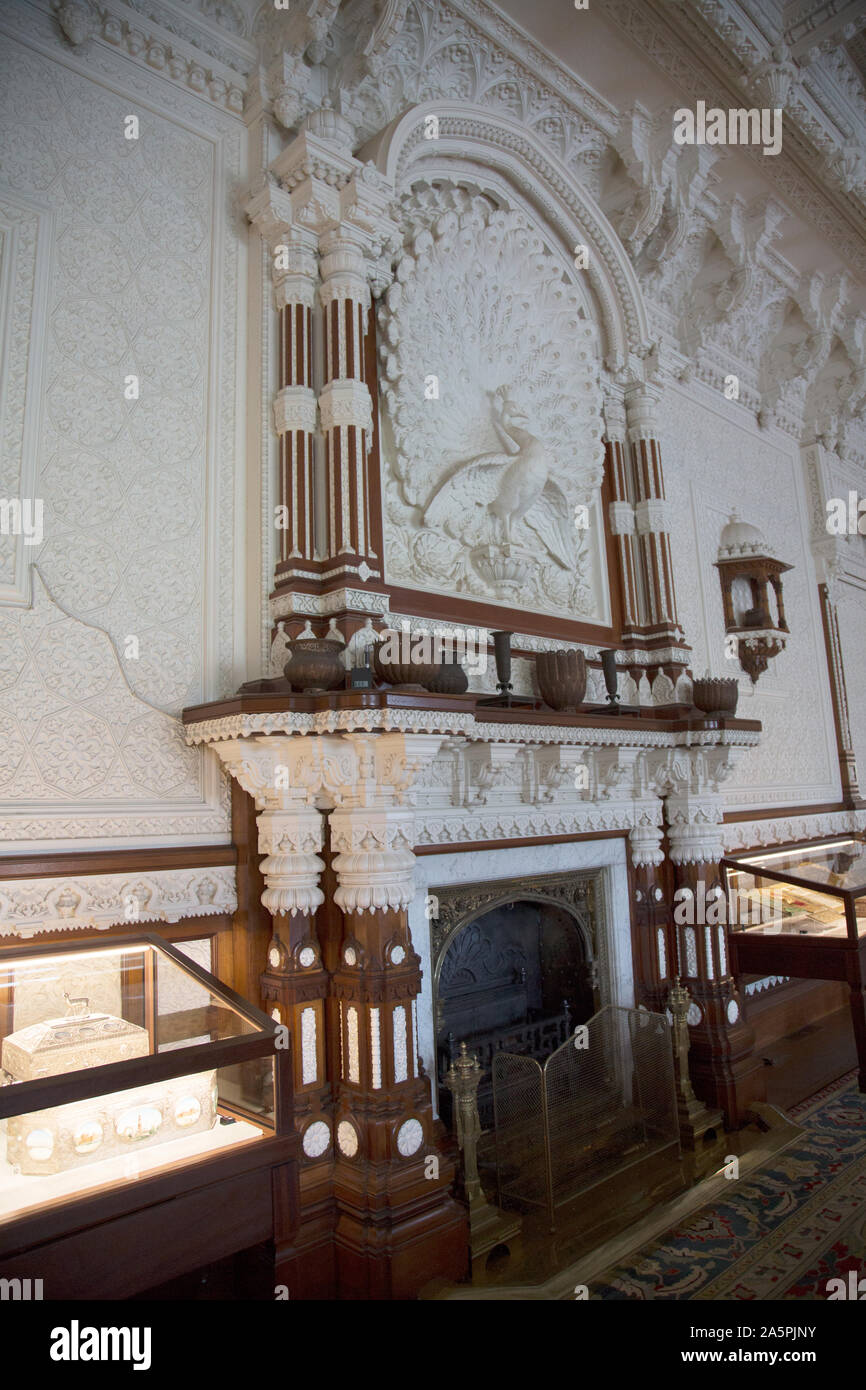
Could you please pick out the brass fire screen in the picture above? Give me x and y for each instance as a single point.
(589, 1112)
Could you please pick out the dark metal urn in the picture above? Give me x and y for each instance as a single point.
(450, 679)
(405, 675)
(315, 665)
(561, 678)
(717, 697)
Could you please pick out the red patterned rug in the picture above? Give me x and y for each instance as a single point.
(784, 1232)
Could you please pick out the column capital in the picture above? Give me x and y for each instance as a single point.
(641, 403)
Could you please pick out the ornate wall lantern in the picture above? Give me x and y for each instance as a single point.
(748, 572)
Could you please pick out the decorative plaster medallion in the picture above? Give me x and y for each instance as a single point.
(307, 957)
(733, 1011)
(410, 1137)
(398, 955)
(347, 1139)
(317, 1139)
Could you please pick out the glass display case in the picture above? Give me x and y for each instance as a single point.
(816, 891)
(121, 1060)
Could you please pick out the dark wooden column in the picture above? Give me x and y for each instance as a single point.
(398, 1225)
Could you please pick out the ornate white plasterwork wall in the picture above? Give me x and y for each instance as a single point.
(491, 399)
(851, 609)
(81, 756)
(139, 278)
(716, 464)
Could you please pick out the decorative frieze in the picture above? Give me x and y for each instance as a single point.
(30, 906)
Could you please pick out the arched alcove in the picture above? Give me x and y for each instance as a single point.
(518, 976)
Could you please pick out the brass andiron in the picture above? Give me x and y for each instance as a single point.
(695, 1119)
(489, 1228)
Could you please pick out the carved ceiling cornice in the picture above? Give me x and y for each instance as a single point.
(714, 50)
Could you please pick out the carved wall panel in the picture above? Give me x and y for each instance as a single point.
(716, 463)
(492, 412)
(119, 414)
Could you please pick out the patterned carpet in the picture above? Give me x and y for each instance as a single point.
(783, 1232)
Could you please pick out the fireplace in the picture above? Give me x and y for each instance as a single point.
(514, 961)
(514, 970)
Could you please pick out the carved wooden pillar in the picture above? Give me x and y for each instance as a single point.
(284, 775)
(651, 516)
(295, 408)
(353, 523)
(654, 948)
(622, 515)
(725, 1071)
(398, 1226)
(839, 695)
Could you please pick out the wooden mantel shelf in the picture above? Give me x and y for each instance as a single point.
(280, 711)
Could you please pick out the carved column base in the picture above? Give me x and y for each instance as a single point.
(397, 1232)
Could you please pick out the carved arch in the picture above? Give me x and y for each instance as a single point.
(496, 151)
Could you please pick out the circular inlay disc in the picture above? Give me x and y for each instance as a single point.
(307, 957)
(40, 1144)
(410, 1137)
(138, 1122)
(274, 957)
(186, 1111)
(347, 1138)
(87, 1136)
(316, 1139)
(350, 955)
(657, 894)
(694, 1016)
(397, 955)
(733, 1011)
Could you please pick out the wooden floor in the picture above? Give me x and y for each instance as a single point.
(805, 1061)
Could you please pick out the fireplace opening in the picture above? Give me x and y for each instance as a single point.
(517, 978)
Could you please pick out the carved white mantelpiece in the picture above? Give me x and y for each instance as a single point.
(394, 779)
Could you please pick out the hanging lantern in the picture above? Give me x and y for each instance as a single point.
(748, 572)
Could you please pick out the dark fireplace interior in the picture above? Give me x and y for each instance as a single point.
(516, 979)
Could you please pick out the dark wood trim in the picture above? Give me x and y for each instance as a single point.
(595, 717)
(186, 1175)
(496, 617)
(115, 861)
(778, 812)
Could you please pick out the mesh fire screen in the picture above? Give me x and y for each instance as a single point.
(602, 1101)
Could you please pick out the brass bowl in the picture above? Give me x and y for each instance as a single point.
(410, 675)
(561, 678)
(315, 665)
(450, 679)
(717, 697)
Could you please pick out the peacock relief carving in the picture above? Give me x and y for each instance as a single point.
(492, 427)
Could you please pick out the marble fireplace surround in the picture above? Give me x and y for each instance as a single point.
(475, 867)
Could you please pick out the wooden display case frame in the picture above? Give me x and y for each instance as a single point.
(134, 1235)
